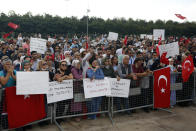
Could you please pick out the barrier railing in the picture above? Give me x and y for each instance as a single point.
(181, 92)
(79, 107)
(4, 124)
(140, 96)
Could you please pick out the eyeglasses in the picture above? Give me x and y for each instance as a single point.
(63, 65)
(44, 64)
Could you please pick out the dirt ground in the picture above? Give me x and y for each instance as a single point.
(182, 119)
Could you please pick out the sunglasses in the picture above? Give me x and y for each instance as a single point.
(44, 64)
(63, 65)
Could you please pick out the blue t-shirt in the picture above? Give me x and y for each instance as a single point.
(11, 82)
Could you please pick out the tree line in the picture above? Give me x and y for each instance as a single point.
(48, 24)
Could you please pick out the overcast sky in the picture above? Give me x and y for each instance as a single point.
(136, 9)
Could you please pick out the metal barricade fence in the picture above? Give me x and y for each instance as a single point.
(4, 125)
(181, 91)
(140, 96)
(79, 107)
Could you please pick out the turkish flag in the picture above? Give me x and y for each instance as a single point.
(7, 34)
(23, 109)
(86, 45)
(187, 68)
(157, 48)
(180, 16)
(187, 41)
(12, 25)
(163, 59)
(125, 40)
(162, 88)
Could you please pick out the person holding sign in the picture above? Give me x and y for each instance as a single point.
(94, 72)
(125, 72)
(63, 73)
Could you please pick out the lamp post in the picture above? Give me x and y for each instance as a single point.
(87, 23)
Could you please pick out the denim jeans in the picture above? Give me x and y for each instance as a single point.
(93, 106)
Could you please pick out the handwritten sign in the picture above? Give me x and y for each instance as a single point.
(96, 88)
(149, 37)
(157, 33)
(37, 44)
(32, 82)
(112, 36)
(119, 88)
(60, 91)
(142, 36)
(172, 49)
(51, 40)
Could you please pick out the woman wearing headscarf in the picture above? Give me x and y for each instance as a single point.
(172, 81)
(76, 107)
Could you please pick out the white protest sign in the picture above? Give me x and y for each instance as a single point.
(119, 88)
(32, 82)
(59, 91)
(142, 36)
(112, 36)
(149, 37)
(172, 49)
(96, 88)
(37, 44)
(157, 33)
(51, 40)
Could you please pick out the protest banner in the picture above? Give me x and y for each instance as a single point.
(149, 37)
(32, 82)
(112, 36)
(37, 44)
(172, 49)
(142, 36)
(51, 40)
(96, 88)
(157, 33)
(119, 88)
(59, 91)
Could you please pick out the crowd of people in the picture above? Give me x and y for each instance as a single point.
(83, 57)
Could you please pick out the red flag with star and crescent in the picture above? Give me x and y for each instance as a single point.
(12, 25)
(187, 68)
(164, 59)
(23, 109)
(125, 40)
(180, 16)
(159, 43)
(162, 88)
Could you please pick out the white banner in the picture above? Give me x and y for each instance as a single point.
(157, 33)
(142, 36)
(119, 88)
(149, 37)
(51, 40)
(32, 82)
(172, 49)
(96, 88)
(113, 36)
(59, 91)
(37, 44)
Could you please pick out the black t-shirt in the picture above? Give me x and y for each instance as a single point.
(67, 72)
